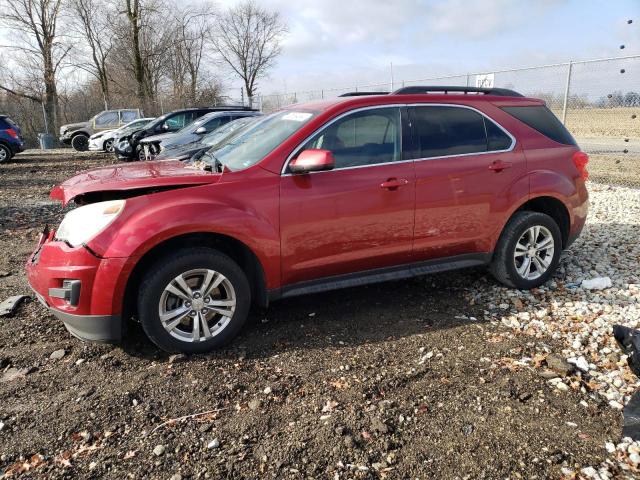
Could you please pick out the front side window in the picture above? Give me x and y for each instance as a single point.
(107, 119)
(176, 122)
(442, 131)
(367, 137)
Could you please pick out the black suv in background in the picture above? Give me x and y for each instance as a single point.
(128, 148)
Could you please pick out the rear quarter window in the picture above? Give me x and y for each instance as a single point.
(543, 120)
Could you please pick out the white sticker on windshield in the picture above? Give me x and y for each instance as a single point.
(297, 116)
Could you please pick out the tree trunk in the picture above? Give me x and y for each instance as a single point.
(133, 13)
(51, 105)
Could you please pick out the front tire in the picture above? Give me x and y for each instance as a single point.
(194, 301)
(528, 251)
(80, 143)
(108, 146)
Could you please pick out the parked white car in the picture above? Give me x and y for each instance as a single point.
(103, 141)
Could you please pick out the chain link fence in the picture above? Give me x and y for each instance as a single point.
(598, 100)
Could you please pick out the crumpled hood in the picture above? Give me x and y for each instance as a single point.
(134, 176)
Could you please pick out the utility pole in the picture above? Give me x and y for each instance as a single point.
(566, 93)
(392, 77)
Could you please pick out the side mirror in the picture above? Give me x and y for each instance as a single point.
(165, 127)
(201, 130)
(312, 160)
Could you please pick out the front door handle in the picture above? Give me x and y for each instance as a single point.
(499, 165)
(394, 183)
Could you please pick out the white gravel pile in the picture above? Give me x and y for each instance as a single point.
(581, 319)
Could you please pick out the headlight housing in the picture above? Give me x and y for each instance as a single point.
(82, 224)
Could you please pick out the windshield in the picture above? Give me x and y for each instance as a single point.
(258, 139)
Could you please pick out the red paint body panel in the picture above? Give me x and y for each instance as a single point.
(342, 221)
(304, 227)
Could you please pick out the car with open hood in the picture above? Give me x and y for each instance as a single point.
(318, 196)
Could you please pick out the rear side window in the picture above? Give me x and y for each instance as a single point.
(496, 138)
(4, 124)
(444, 131)
(544, 121)
(129, 115)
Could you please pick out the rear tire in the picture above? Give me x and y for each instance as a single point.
(80, 142)
(5, 153)
(528, 251)
(189, 291)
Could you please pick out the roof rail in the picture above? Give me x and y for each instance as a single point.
(232, 107)
(362, 94)
(501, 92)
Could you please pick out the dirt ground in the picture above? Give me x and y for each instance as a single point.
(396, 380)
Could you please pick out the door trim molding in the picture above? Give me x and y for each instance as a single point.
(396, 272)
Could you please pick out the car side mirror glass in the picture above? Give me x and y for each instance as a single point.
(312, 160)
(201, 130)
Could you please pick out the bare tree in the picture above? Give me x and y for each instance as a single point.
(248, 39)
(92, 21)
(40, 51)
(134, 17)
(194, 26)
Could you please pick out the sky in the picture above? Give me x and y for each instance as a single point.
(340, 43)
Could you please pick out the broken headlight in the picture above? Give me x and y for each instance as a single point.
(82, 224)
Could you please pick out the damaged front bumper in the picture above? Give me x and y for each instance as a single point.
(78, 288)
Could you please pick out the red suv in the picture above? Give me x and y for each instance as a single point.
(314, 197)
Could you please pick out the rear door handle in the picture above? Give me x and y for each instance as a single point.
(499, 165)
(394, 183)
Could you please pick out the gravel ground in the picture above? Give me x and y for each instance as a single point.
(446, 376)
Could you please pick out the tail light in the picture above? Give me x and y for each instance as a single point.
(12, 133)
(580, 160)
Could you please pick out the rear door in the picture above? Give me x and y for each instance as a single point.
(465, 166)
(358, 216)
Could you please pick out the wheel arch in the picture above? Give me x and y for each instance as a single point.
(551, 206)
(232, 247)
(80, 132)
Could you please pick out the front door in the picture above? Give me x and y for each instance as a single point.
(358, 216)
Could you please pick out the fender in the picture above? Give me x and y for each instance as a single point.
(150, 220)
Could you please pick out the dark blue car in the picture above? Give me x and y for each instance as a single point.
(11, 141)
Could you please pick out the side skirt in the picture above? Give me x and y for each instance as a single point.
(378, 275)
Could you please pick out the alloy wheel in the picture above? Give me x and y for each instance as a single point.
(534, 252)
(197, 305)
